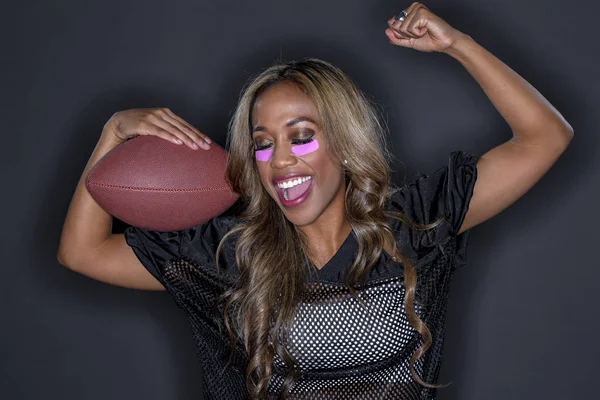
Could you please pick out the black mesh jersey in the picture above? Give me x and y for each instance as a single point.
(345, 349)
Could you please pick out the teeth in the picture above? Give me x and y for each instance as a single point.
(292, 182)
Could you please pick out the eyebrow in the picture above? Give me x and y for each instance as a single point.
(290, 123)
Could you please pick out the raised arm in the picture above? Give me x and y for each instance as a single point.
(540, 133)
(87, 245)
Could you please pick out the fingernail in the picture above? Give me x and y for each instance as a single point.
(208, 140)
(195, 146)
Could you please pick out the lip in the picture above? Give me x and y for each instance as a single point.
(278, 179)
(295, 202)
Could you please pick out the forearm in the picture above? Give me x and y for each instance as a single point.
(532, 118)
(86, 225)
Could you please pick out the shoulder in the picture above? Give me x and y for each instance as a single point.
(441, 197)
(443, 193)
(200, 243)
(197, 244)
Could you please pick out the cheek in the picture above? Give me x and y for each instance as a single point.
(300, 150)
(307, 148)
(264, 155)
(263, 175)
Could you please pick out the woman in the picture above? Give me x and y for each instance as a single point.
(331, 283)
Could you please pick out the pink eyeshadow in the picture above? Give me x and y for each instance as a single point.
(264, 155)
(303, 149)
(299, 150)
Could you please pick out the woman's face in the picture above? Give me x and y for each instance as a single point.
(292, 158)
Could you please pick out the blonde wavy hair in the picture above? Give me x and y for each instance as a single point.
(256, 309)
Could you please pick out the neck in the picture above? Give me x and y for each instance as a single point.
(328, 232)
(331, 235)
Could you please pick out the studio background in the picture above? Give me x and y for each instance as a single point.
(522, 319)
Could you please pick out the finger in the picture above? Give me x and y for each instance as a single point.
(190, 126)
(393, 35)
(408, 21)
(402, 42)
(400, 28)
(149, 129)
(412, 26)
(190, 132)
(396, 24)
(173, 129)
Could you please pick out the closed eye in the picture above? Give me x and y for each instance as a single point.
(263, 147)
(294, 142)
(302, 141)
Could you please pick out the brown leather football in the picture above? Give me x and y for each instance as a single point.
(151, 183)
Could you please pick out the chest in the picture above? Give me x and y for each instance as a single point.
(333, 329)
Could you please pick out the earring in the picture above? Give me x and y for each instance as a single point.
(345, 161)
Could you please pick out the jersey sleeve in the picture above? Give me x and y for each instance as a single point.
(158, 251)
(446, 193)
(184, 262)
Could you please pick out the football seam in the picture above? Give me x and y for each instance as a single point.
(158, 189)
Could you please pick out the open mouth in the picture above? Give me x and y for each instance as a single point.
(294, 191)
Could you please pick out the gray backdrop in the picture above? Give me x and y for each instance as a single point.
(522, 320)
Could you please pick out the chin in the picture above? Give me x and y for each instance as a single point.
(300, 216)
(301, 220)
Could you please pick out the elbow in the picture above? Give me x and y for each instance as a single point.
(566, 136)
(60, 257)
(554, 139)
(64, 259)
(565, 132)
(561, 134)
(570, 134)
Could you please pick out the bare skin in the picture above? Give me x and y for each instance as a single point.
(86, 244)
(540, 133)
(322, 215)
(505, 173)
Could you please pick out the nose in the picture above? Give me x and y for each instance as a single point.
(283, 156)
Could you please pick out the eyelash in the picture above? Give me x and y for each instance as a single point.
(294, 141)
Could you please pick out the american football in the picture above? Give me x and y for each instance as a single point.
(151, 183)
